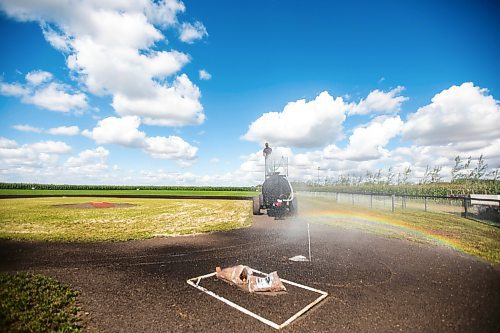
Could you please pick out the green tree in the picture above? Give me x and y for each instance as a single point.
(390, 176)
(480, 170)
(426, 177)
(455, 172)
(406, 175)
(435, 175)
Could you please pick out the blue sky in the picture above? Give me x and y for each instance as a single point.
(170, 92)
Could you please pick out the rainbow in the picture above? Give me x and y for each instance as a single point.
(372, 219)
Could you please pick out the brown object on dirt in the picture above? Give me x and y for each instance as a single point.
(235, 275)
(242, 276)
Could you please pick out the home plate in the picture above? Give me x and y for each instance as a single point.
(195, 282)
(298, 258)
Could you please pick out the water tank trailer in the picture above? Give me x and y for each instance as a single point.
(277, 197)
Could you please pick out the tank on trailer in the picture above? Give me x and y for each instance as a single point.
(277, 197)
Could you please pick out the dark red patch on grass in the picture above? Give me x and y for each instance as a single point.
(102, 204)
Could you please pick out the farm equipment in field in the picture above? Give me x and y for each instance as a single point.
(277, 197)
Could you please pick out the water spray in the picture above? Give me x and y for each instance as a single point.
(301, 257)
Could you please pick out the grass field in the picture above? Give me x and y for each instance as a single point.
(462, 234)
(39, 219)
(130, 192)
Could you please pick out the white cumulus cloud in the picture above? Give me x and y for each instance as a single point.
(125, 132)
(27, 128)
(40, 91)
(204, 75)
(37, 77)
(191, 32)
(53, 147)
(379, 102)
(164, 13)
(7, 143)
(13, 89)
(30, 156)
(121, 131)
(55, 97)
(88, 161)
(170, 148)
(301, 123)
(457, 114)
(64, 130)
(122, 70)
(460, 121)
(169, 106)
(368, 142)
(111, 47)
(58, 40)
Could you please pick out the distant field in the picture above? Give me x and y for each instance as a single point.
(41, 219)
(130, 192)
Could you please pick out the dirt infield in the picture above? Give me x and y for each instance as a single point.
(375, 284)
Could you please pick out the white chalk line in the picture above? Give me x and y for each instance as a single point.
(268, 322)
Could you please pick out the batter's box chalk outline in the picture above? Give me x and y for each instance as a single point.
(195, 282)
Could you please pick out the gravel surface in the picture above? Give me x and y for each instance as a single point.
(375, 284)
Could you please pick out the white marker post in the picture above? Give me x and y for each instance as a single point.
(309, 240)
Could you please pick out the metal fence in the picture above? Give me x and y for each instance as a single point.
(479, 208)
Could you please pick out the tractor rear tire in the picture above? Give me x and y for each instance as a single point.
(256, 206)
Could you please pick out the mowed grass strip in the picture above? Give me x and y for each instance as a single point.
(462, 234)
(42, 219)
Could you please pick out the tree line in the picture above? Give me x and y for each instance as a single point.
(33, 186)
(467, 177)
